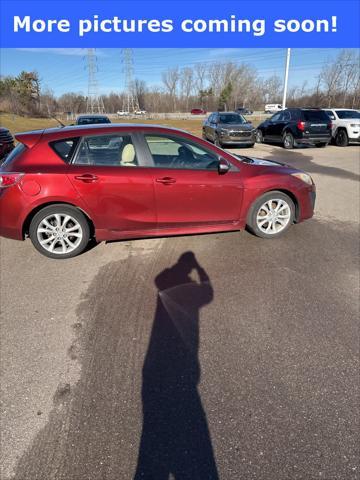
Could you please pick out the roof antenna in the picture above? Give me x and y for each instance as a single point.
(52, 116)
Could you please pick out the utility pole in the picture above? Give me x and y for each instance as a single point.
(287, 64)
(130, 103)
(94, 103)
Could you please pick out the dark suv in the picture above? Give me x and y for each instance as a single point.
(296, 126)
(6, 143)
(228, 128)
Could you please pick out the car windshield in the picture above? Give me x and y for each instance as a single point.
(343, 114)
(92, 120)
(232, 118)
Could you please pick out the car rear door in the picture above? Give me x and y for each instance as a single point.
(189, 190)
(116, 187)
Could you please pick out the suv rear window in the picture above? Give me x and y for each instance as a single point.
(315, 116)
(65, 148)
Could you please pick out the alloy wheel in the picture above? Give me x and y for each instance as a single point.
(59, 233)
(273, 216)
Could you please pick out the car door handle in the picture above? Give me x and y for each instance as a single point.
(166, 180)
(87, 178)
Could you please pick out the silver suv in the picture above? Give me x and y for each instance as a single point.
(228, 128)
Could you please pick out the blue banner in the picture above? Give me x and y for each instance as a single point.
(160, 23)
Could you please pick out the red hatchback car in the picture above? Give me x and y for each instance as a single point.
(63, 186)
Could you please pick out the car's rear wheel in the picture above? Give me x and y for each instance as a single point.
(271, 215)
(59, 231)
(341, 138)
(288, 140)
(259, 136)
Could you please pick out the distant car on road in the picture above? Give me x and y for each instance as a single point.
(122, 113)
(244, 111)
(296, 126)
(140, 112)
(273, 107)
(6, 143)
(63, 186)
(345, 125)
(228, 128)
(92, 119)
(198, 111)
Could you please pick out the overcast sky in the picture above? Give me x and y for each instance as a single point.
(64, 70)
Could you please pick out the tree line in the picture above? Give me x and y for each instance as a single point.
(215, 86)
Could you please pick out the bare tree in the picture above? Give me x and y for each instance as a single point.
(186, 83)
(171, 79)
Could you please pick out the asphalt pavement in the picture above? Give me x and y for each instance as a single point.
(244, 367)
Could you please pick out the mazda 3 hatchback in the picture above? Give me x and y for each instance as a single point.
(63, 186)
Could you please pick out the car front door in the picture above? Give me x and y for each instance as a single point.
(189, 190)
(116, 188)
(272, 126)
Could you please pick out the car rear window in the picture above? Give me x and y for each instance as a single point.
(315, 116)
(20, 147)
(65, 148)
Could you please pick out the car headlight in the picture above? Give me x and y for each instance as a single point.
(305, 177)
(354, 125)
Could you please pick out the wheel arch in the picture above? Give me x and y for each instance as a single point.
(289, 193)
(34, 211)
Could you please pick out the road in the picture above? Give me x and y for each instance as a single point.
(251, 372)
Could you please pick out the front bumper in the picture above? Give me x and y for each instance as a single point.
(236, 140)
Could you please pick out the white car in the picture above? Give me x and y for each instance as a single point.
(140, 112)
(273, 108)
(122, 113)
(345, 125)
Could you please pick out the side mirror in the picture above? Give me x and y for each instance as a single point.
(224, 166)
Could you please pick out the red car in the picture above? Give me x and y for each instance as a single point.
(63, 186)
(198, 111)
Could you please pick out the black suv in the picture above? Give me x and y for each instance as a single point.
(92, 119)
(6, 143)
(296, 126)
(228, 128)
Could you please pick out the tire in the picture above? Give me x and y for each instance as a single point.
(288, 141)
(341, 138)
(320, 145)
(59, 231)
(259, 137)
(278, 224)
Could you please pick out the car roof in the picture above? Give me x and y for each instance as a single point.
(92, 116)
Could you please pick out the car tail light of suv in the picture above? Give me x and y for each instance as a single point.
(301, 126)
(9, 179)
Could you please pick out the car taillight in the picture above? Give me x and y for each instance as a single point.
(329, 125)
(9, 179)
(301, 126)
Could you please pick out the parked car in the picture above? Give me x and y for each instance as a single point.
(296, 126)
(273, 107)
(122, 113)
(6, 143)
(228, 128)
(244, 111)
(92, 119)
(345, 125)
(198, 111)
(60, 189)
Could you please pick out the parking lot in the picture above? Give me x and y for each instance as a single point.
(268, 389)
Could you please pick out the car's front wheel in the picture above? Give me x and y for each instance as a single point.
(259, 136)
(59, 231)
(271, 215)
(341, 138)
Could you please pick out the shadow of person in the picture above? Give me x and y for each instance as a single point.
(175, 437)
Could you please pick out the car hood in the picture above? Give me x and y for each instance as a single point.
(261, 162)
(234, 126)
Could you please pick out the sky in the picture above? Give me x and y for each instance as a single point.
(64, 69)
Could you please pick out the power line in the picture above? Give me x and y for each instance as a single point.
(130, 103)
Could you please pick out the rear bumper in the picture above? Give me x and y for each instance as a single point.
(313, 140)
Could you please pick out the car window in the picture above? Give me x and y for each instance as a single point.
(92, 120)
(175, 152)
(232, 118)
(343, 114)
(315, 116)
(65, 148)
(276, 117)
(286, 117)
(330, 114)
(107, 150)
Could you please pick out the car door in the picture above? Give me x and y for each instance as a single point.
(118, 190)
(269, 132)
(277, 126)
(189, 190)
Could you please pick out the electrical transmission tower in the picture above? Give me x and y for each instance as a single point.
(130, 103)
(94, 103)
